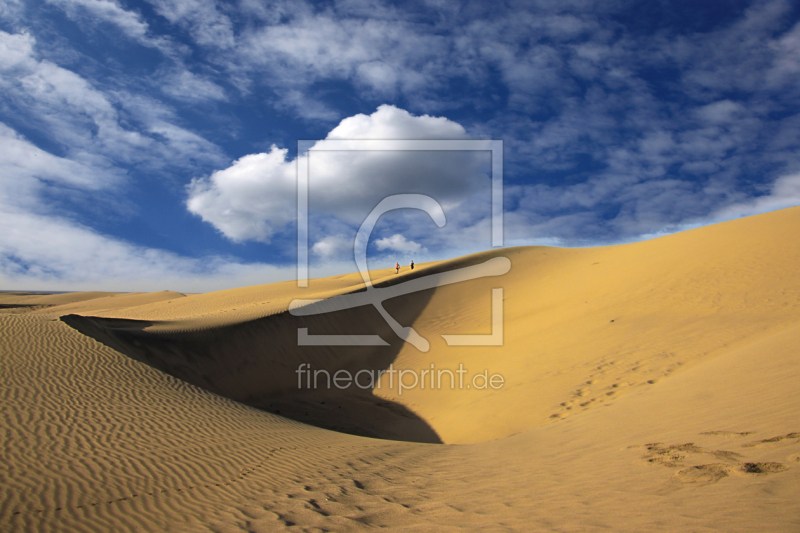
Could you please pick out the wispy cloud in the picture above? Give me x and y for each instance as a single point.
(92, 124)
(12, 11)
(42, 250)
(207, 25)
(55, 253)
(130, 23)
(42, 245)
(187, 86)
(784, 192)
(27, 168)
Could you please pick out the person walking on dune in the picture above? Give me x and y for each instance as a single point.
(397, 266)
(412, 264)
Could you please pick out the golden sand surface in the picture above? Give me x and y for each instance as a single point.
(652, 386)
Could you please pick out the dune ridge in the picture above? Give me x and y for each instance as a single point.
(649, 386)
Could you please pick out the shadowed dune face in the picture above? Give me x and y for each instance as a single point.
(256, 361)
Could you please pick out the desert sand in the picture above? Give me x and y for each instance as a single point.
(652, 386)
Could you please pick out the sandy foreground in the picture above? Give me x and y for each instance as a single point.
(653, 386)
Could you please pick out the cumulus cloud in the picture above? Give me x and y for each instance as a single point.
(398, 243)
(332, 246)
(256, 196)
(249, 200)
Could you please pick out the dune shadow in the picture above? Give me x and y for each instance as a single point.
(256, 363)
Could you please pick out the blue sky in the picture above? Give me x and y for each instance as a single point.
(152, 145)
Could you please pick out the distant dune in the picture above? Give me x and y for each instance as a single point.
(646, 387)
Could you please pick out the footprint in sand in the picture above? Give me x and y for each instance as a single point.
(773, 440)
(674, 455)
(732, 434)
(703, 474)
(712, 473)
(762, 468)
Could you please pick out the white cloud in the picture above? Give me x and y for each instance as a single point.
(200, 18)
(305, 106)
(70, 109)
(109, 11)
(721, 112)
(398, 243)
(382, 56)
(378, 75)
(333, 246)
(311, 46)
(39, 250)
(787, 61)
(385, 51)
(41, 247)
(626, 133)
(256, 196)
(95, 127)
(169, 145)
(15, 49)
(275, 11)
(742, 56)
(389, 122)
(784, 192)
(190, 87)
(27, 168)
(11, 10)
(34, 181)
(639, 209)
(249, 200)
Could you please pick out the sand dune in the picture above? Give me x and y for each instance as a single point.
(647, 387)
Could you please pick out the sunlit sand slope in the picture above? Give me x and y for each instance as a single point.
(585, 326)
(648, 387)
